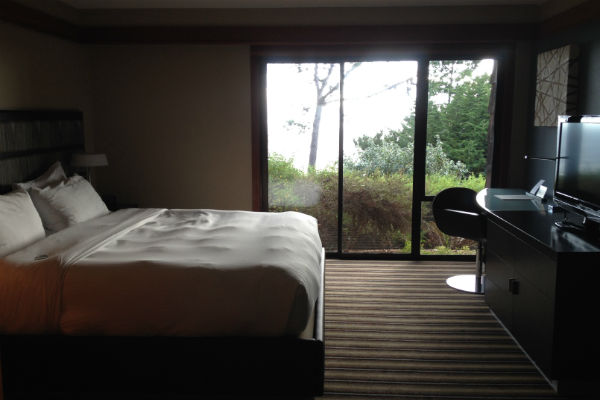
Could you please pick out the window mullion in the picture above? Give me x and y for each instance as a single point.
(341, 162)
(420, 141)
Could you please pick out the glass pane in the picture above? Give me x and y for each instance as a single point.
(434, 242)
(379, 107)
(303, 137)
(458, 120)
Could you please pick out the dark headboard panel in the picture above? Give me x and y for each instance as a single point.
(31, 140)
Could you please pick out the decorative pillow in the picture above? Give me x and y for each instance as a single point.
(54, 175)
(71, 202)
(20, 223)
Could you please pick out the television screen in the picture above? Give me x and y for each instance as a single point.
(578, 164)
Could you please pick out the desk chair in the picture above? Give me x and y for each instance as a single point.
(456, 213)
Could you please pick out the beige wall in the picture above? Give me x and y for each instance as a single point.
(174, 121)
(42, 71)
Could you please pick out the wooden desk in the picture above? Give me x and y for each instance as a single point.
(541, 283)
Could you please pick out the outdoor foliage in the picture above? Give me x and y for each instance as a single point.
(462, 124)
(377, 182)
(457, 113)
(393, 152)
(377, 206)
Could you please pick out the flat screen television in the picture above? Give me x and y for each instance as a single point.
(577, 180)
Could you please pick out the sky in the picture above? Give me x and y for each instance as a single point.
(377, 96)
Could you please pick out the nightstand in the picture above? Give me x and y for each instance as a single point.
(113, 205)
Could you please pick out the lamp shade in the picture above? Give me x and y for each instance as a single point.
(88, 160)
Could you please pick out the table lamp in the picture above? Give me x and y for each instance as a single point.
(88, 161)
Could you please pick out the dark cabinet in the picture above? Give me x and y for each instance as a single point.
(523, 303)
(542, 285)
(497, 294)
(533, 323)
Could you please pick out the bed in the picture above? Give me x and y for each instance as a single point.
(194, 302)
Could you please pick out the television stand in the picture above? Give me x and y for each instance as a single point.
(541, 283)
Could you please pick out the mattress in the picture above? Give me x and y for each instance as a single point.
(167, 272)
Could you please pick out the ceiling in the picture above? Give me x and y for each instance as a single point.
(153, 4)
(298, 12)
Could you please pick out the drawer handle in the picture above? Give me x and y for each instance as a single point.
(513, 286)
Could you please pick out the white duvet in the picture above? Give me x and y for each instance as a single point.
(167, 272)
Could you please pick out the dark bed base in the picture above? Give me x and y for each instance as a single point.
(44, 366)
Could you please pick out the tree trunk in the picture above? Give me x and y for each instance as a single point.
(321, 84)
(314, 140)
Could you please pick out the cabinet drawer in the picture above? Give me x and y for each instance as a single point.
(498, 271)
(500, 241)
(497, 295)
(533, 324)
(537, 268)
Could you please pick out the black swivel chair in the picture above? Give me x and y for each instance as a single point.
(456, 213)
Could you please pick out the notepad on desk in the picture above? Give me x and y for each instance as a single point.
(515, 196)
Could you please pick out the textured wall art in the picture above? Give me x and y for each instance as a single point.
(556, 88)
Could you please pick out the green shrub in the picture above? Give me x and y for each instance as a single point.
(436, 183)
(377, 208)
(282, 169)
(383, 154)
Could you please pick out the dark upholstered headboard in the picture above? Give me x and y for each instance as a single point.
(32, 140)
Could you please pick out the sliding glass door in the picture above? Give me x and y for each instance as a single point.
(379, 99)
(344, 144)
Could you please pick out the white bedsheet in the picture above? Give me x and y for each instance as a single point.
(168, 272)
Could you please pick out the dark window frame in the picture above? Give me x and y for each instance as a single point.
(502, 53)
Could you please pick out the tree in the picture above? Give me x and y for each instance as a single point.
(457, 115)
(446, 75)
(403, 137)
(463, 123)
(322, 74)
(326, 83)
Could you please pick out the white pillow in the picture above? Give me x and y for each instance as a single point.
(52, 219)
(68, 203)
(53, 175)
(20, 224)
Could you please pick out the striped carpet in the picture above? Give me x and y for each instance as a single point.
(394, 330)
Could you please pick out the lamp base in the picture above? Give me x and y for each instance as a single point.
(467, 283)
